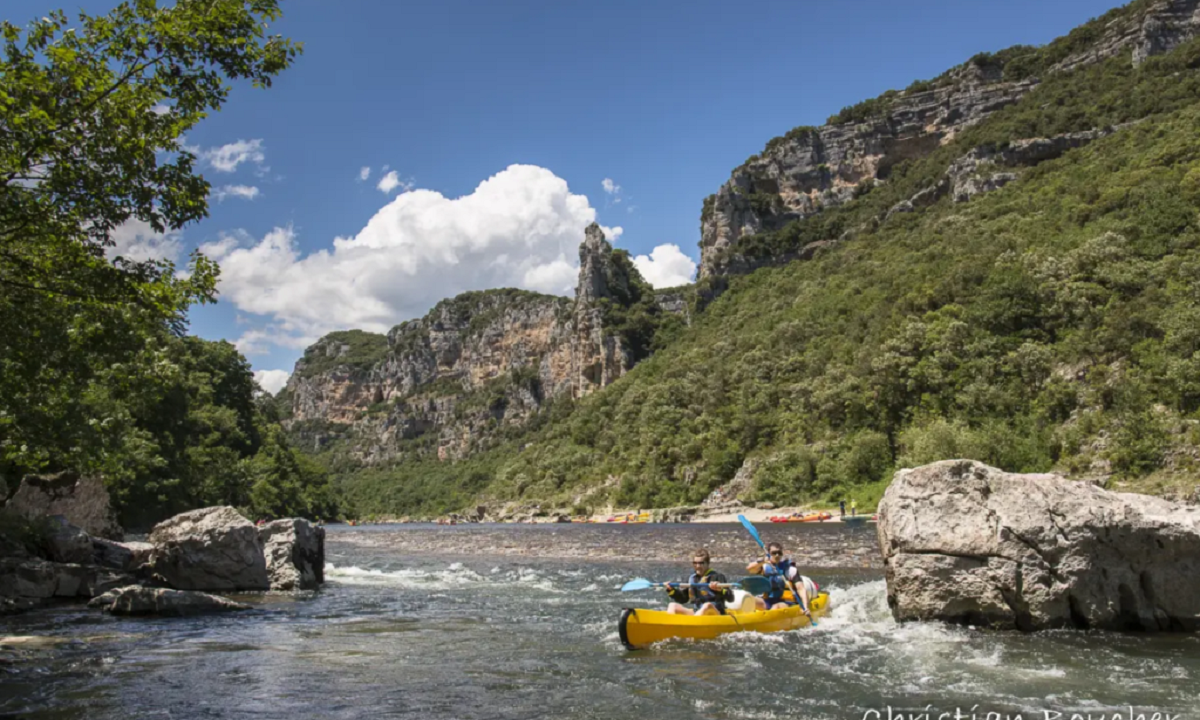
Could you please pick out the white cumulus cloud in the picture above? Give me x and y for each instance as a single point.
(272, 380)
(136, 240)
(519, 228)
(226, 158)
(246, 192)
(391, 181)
(364, 173)
(609, 186)
(666, 266)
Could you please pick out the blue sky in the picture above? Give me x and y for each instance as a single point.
(662, 99)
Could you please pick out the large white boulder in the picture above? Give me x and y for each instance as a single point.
(967, 543)
(81, 499)
(295, 552)
(208, 549)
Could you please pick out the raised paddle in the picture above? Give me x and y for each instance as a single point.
(795, 593)
(752, 585)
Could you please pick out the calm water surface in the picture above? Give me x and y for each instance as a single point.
(456, 622)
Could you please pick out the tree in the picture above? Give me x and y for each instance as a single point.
(91, 123)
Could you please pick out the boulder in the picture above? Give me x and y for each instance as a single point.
(82, 500)
(208, 549)
(67, 543)
(33, 579)
(138, 600)
(295, 554)
(966, 543)
(28, 578)
(120, 556)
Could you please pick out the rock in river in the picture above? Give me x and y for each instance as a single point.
(295, 553)
(209, 549)
(967, 543)
(138, 600)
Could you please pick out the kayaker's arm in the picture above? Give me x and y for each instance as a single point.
(680, 594)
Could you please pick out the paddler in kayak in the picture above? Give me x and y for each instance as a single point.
(704, 589)
(779, 571)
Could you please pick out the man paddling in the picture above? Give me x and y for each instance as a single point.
(779, 571)
(705, 589)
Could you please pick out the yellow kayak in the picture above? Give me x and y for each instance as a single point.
(639, 627)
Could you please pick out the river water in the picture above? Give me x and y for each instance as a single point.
(520, 622)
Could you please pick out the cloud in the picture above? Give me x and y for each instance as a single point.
(136, 240)
(226, 158)
(246, 192)
(364, 173)
(272, 380)
(391, 181)
(666, 266)
(519, 228)
(609, 186)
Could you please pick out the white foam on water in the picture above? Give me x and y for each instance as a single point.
(749, 639)
(454, 576)
(529, 577)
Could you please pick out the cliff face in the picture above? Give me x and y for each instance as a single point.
(812, 169)
(474, 364)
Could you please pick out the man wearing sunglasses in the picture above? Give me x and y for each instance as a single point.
(779, 571)
(705, 589)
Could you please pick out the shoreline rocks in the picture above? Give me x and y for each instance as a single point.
(207, 549)
(967, 543)
(82, 500)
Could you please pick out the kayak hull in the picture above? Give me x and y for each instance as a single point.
(639, 628)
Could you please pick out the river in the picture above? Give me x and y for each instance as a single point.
(519, 621)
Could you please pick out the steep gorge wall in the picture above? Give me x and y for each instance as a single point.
(476, 363)
(815, 168)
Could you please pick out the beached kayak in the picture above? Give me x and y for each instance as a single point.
(639, 627)
(811, 517)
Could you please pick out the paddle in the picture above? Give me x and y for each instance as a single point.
(752, 585)
(795, 593)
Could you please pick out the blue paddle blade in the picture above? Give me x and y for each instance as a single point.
(755, 585)
(751, 529)
(638, 584)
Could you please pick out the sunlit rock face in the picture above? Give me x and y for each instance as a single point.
(475, 364)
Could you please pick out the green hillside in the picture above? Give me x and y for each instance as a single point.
(1052, 324)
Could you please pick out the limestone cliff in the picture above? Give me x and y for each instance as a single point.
(813, 168)
(447, 383)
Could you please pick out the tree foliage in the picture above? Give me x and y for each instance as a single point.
(95, 374)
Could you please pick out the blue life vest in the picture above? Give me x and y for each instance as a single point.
(777, 574)
(703, 593)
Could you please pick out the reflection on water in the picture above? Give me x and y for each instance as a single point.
(400, 632)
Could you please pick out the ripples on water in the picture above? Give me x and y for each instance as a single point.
(412, 625)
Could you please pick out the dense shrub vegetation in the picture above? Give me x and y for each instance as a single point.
(354, 350)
